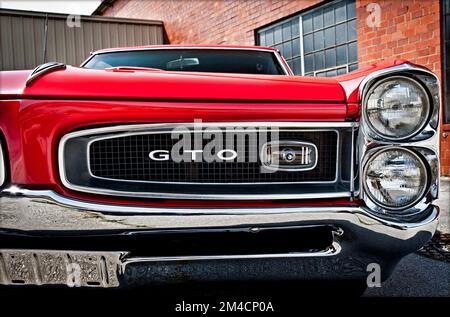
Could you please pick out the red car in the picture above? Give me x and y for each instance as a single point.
(213, 163)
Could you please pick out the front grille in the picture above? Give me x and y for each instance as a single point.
(116, 161)
(127, 158)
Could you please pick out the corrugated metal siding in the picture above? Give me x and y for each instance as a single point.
(22, 35)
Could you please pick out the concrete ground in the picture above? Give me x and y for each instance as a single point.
(417, 275)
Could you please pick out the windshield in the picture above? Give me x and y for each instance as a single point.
(193, 60)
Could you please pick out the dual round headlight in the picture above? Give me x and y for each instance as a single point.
(396, 108)
(395, 178)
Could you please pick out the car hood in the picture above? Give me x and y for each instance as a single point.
(141, 84)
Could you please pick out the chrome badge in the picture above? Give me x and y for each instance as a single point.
(285, 155)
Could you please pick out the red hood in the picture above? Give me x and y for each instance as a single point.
(80, 83)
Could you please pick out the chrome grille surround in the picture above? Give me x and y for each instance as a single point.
(243, 190)
(424, 144)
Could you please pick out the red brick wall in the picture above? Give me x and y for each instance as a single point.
(208, 21)
(407, 29)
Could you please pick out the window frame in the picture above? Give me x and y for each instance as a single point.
(301, 55)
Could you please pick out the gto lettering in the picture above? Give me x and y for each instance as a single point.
(221, 155)
(159, 155)
(163, 155)
(216, 144)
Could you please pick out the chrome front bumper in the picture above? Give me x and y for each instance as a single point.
(359, 239)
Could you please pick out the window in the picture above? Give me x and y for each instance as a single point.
(192, 60)
(319, 42)
(446, 57)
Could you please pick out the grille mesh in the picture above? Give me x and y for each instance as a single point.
(127, 158)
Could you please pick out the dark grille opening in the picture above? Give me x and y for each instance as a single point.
(127, 158)
(238, 241)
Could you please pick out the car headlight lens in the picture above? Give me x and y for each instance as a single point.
(397, 108)
(395, 178)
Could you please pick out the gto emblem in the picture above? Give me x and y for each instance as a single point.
(164, 155)
(289, 155)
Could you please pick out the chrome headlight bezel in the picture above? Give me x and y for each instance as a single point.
(379, 134)
(427, 80)
(425, 143)
(386, 208)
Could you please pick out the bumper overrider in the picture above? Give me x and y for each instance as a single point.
(37, 218)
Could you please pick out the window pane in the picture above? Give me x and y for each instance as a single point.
(352, 53)
(262, 39)
(328, 16)
(286, 31)
(331, 73)
(340, 12)
(318, 40)
(308, 43)
(309, 63)
(341, 52)
(351, 10)
(330, 58)
(278, 38)
(296, 47)
(307, 23)
(295, 28)
(287, 50)
(341, 71)
(319, 60)
(297, 69)
(269, 37)
(351, 30)
(318, 20)
(352, 67)
(329, 37)
(341, 33)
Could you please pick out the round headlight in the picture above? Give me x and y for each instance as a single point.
(395, 178)
(397, 108)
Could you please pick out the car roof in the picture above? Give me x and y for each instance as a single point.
(184, 46)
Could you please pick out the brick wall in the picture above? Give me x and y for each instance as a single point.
(208, 21)
(407, 29)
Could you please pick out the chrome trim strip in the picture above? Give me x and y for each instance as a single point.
(53, 199)
(2, 166)
(161, 128)
(284, 65)
(352, 167)
(108, 208)
(333, 250)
